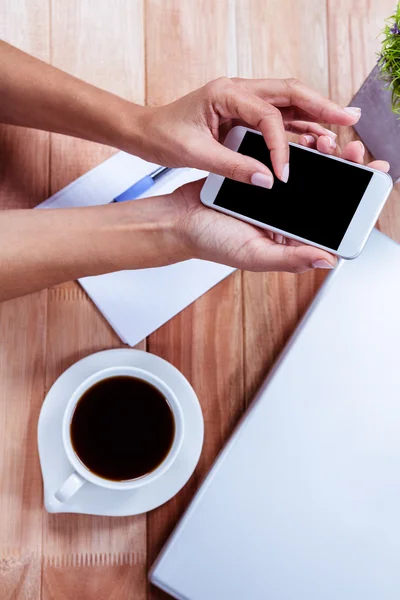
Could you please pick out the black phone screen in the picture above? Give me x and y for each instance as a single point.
(317, 203)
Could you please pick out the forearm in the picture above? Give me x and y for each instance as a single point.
(40, 248)
(37, 95)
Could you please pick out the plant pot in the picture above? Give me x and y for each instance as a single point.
(379, 126)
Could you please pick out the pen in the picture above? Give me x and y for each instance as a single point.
(142, 185)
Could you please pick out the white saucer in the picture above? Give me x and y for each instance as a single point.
(91, 499)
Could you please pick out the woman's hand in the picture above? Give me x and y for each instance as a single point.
(43, 248)
(185, 133)
(40, 248)
(213, 236)
(189, 131)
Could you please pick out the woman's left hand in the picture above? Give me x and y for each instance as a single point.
(213, 236)
(189, 132)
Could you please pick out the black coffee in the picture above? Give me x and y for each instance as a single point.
(122, 428)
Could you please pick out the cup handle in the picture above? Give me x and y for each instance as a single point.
(69, 487)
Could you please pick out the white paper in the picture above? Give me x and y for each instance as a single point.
(137, 302)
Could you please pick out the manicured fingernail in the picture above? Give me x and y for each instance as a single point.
(362, 147)
(322, 264)
(262, 180)
(354, 111)
(285, 173)
(331, 134)
(309, 139)
(331, 142)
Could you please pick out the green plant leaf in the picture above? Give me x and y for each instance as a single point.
(389, 58)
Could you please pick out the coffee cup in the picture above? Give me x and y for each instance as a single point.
(80, 435)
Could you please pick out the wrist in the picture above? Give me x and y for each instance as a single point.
(133, 131)
(145, 233)
(41, 248)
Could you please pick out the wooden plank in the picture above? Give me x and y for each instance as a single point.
(280, 39)
(24, 152)
(188, 44)
(89, 557)
(354, 42)
(102, 43)
(353, 29)
(23, 183)
(22, 334)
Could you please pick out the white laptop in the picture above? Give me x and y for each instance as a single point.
(304, 501)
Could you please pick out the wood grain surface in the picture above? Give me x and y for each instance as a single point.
(24, 181)
(356, 50)
(274, 302)
(149, 51)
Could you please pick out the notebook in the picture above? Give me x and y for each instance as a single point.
(303, 503)
(131, 300)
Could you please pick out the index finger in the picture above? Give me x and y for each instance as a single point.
(283, 93)
(237, 103)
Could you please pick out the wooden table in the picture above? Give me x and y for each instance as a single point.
(150, 51)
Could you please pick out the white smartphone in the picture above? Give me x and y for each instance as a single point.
(328, 202)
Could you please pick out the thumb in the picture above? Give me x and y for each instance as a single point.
(297, 259)
(220, 160)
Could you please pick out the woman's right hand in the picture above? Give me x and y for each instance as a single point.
(190, 131)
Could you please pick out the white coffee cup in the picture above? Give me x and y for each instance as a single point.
(81, 474)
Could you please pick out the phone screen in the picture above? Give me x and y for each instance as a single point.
(317, 203)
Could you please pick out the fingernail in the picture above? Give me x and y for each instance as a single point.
(278, 238)
(362, 147)
(285, 173)
(262, 180)
(322, 264)
(332, 143)
(309, 139)
(354, 111)
(331, 134)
